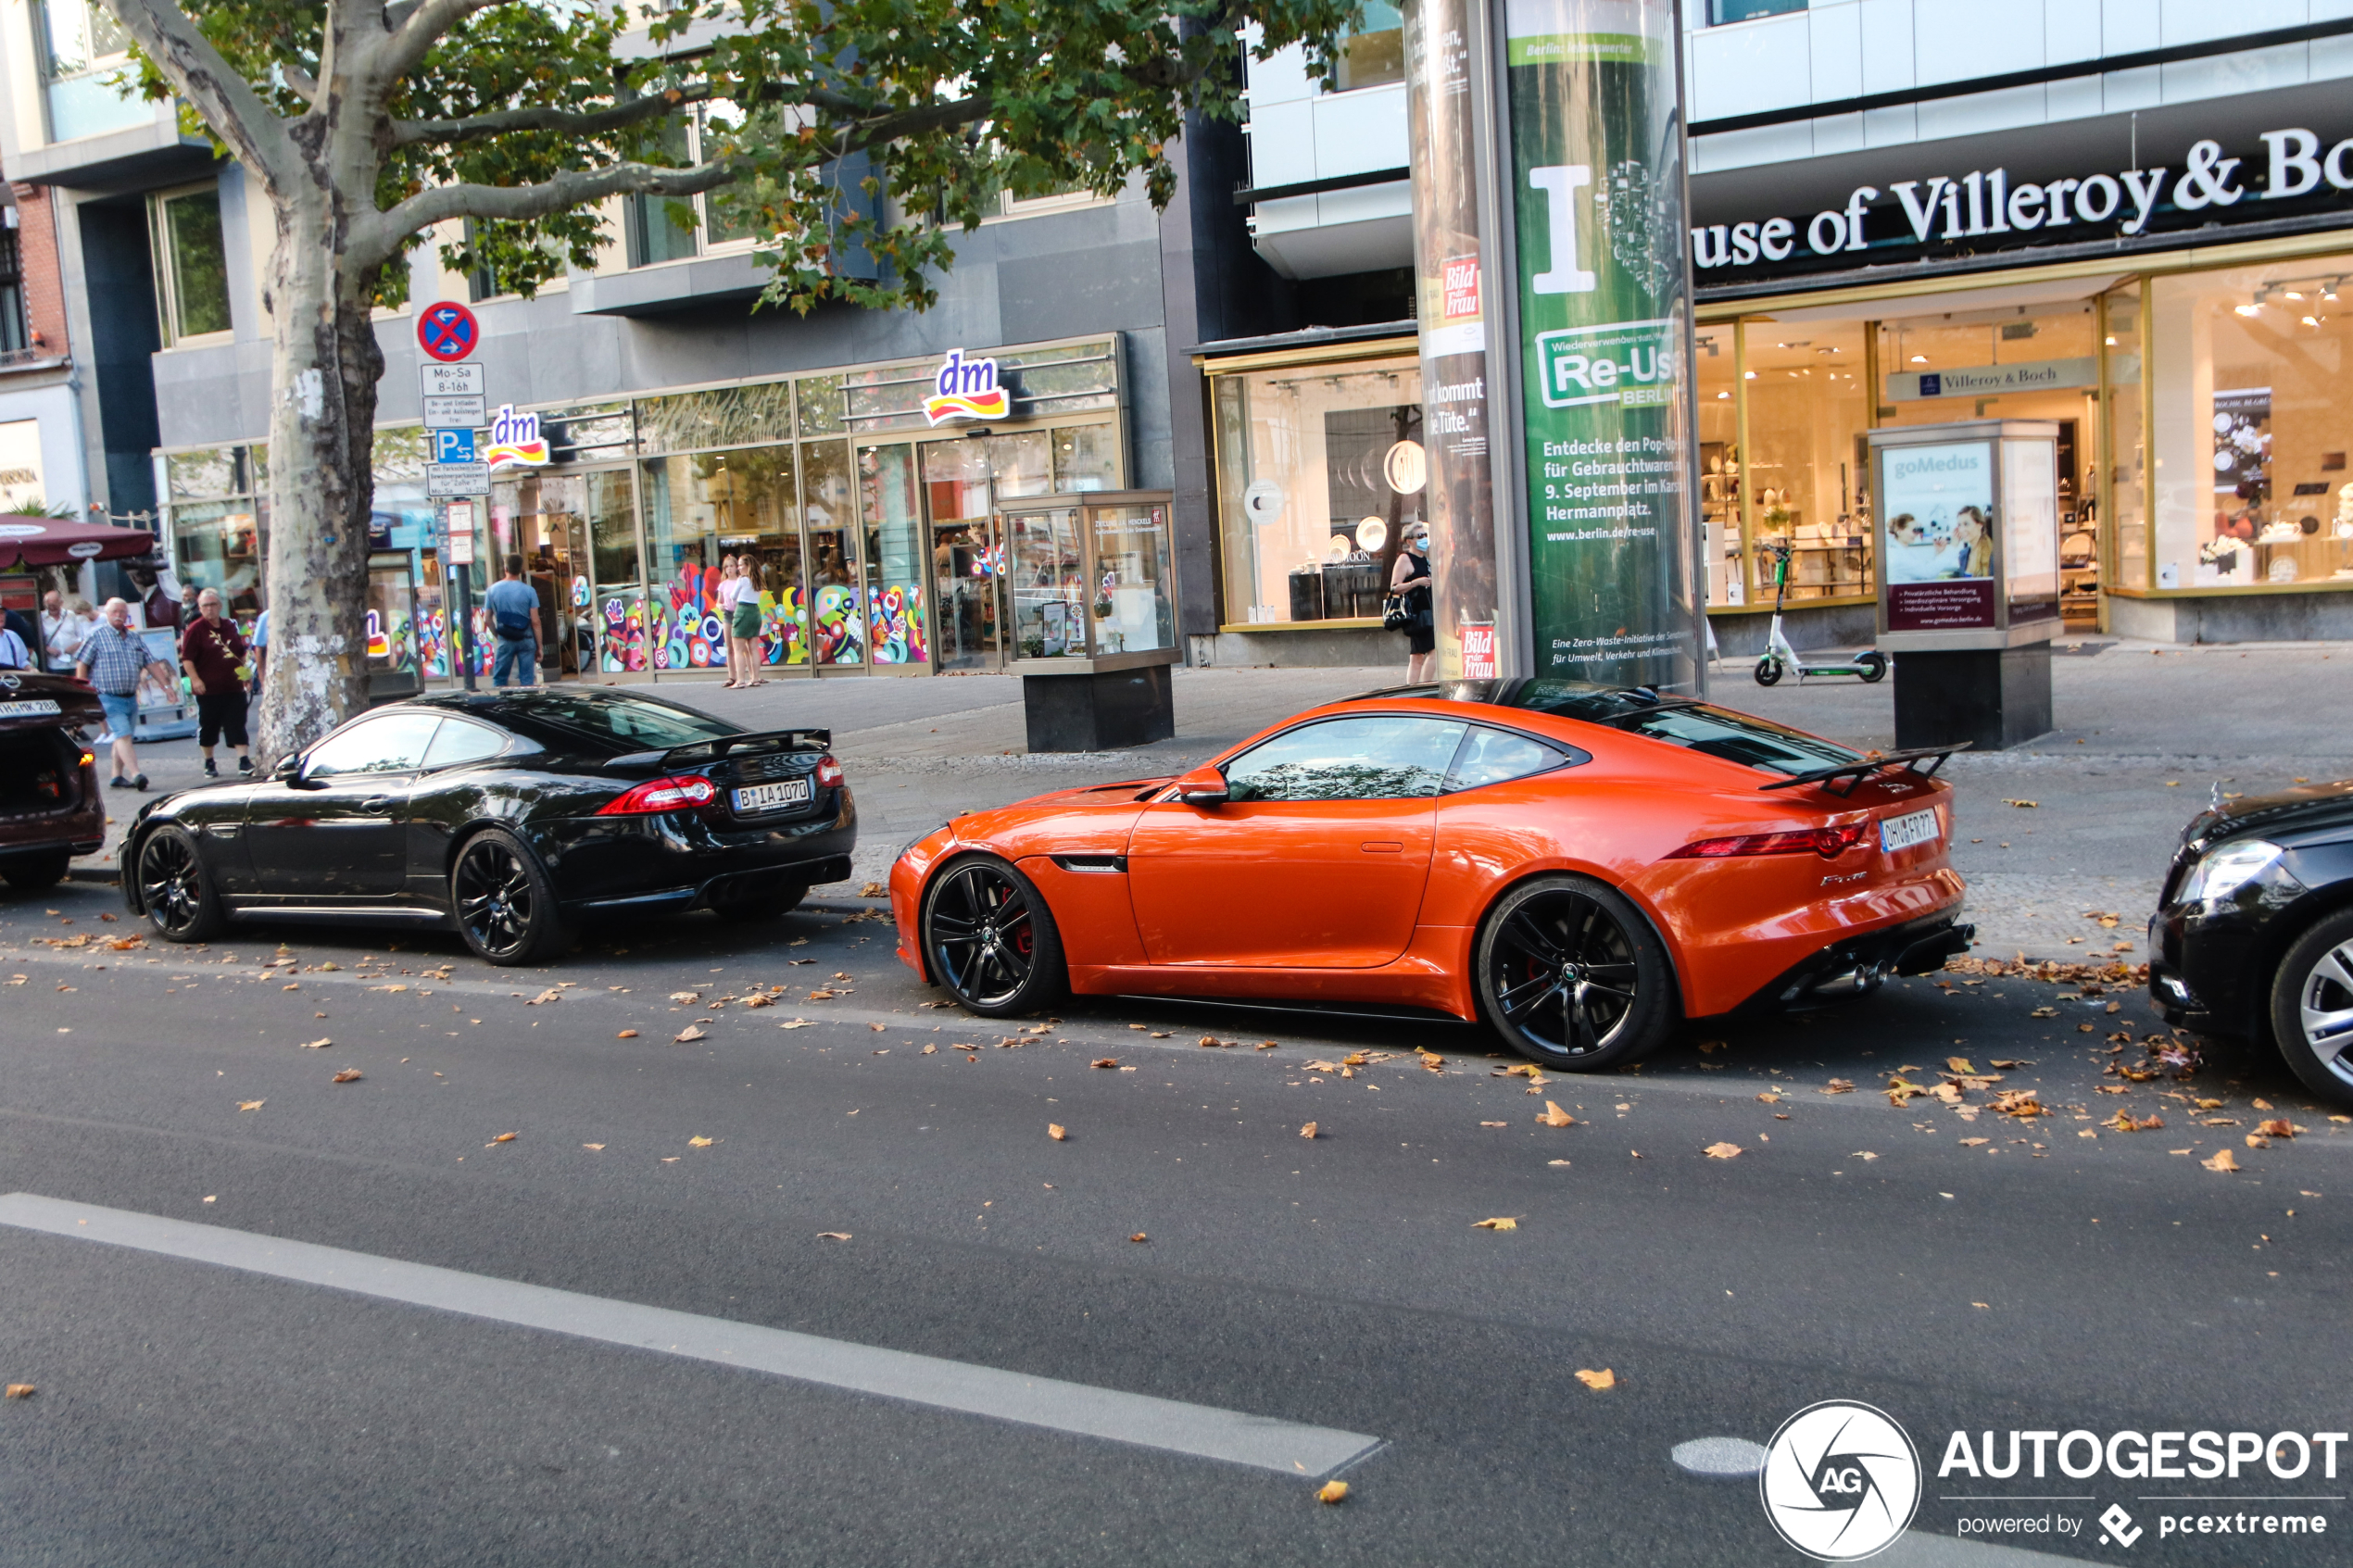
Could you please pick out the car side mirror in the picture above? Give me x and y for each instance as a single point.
(1205, 786)
(288, 771)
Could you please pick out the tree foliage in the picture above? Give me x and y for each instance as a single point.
(852, 138)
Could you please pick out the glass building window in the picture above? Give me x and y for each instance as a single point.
(897, 566)
(191, 264)
(1722, 11)
(2126, 443)
(1372, 49)
(1320, 468)
(1719, 462)
(1807, 418)
(700, 511)
(83, 52)
(671, 229)
(2252, 487)
(13, 338)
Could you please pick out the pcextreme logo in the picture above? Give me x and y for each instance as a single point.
(1841, 1481)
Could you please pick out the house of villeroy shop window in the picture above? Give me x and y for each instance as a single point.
(2174, 290)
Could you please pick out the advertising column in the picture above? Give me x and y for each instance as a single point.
(1602, 334)
(1446, 117)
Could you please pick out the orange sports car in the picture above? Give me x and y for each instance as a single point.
(1580, 866)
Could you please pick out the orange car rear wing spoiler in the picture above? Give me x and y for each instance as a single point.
(1854, 773)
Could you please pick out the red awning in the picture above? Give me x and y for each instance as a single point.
(50, 541)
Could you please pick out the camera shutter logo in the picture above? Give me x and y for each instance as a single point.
(1841, 1481)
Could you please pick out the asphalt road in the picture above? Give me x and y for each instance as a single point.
(190, 1412)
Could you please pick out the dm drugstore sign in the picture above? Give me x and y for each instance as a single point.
(1933, 214)
(966, 389)
(515, 438)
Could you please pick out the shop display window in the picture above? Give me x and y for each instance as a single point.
(1133, 610)
(1807, 418)
(1320, 468)
(1720, 461)
(1049, 588)
(216, 545)
(828, 499)
(2252, 488)
(896, 561)
(2126, 436)
(700, 511)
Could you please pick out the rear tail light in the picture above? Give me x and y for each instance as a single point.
(656, 796)
(1828, 843)
(88, 757)
(828, 773)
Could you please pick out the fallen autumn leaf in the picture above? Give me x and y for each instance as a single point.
(1501, 1222)
(1723, 1150)
(1332, 1491)
(1054, 1130)
(349, 1076)
(1605, 1378)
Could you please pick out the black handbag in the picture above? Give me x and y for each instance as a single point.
(1394, 616)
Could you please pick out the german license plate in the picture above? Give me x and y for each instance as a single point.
(1903, 832)
(29, 708)
(768, 796)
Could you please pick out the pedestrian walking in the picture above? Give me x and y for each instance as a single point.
(514, 619)
(743, 625)
(1410, 580)
(112, 660)
(213, 652)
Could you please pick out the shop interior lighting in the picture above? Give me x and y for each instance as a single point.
(1920, 359)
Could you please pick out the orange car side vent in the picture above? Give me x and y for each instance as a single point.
(1091, 863)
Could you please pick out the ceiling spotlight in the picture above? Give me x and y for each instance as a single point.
(1920, 359)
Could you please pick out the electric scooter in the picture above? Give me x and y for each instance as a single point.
(1779, 658)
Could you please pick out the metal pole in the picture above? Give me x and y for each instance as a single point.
(462, 627)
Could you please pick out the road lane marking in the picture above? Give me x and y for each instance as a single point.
(1203, 1431)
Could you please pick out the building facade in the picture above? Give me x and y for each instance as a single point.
(671, 422)
(2129, 218)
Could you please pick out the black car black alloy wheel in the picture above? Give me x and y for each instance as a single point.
(1563, 973)
(172, 887)
(497, 901)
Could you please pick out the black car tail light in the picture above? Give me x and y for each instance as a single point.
(656, 796)
(1828, 843)
(828, 773)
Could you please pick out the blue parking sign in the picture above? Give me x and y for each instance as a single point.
(453, 447)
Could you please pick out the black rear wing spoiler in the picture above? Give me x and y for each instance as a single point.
(700, 752)
(1854, 773)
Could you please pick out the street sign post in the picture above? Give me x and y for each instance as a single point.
(452, 396)
(446, 482)
(458, 555)
(447, 332)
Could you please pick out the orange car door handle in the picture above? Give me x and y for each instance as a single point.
(1384, 848)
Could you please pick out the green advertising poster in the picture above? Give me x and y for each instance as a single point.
(1603, 295)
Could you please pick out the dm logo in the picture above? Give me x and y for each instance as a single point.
(966, 389)
(1841, 1481)
(515, 438)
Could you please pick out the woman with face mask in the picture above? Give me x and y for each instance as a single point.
(1411, 578)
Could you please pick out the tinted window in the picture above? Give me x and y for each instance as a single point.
(1493, 756)
(1386, 758)
(1738, 738)
(628, 722)
(391, 743)
(462, 742)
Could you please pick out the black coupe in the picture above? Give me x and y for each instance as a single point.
(2253, 935)
(510, 815)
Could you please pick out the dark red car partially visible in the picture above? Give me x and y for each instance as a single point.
(51, 806)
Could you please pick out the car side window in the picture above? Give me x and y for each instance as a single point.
(462, 741)
(389, 743)
(1497, 756)
(1377, 757)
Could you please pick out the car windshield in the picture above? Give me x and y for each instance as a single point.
(1678, 720)
(623, 722)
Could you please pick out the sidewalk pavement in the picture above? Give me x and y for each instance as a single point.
(2147, 733)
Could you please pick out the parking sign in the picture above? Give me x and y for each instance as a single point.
(453, 447)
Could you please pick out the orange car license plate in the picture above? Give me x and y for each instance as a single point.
(1905, 831)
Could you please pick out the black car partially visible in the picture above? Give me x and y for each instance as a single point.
(511, 816)
(2253, 937)
(51, 808)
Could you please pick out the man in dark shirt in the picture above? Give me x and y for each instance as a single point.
(210, 651)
